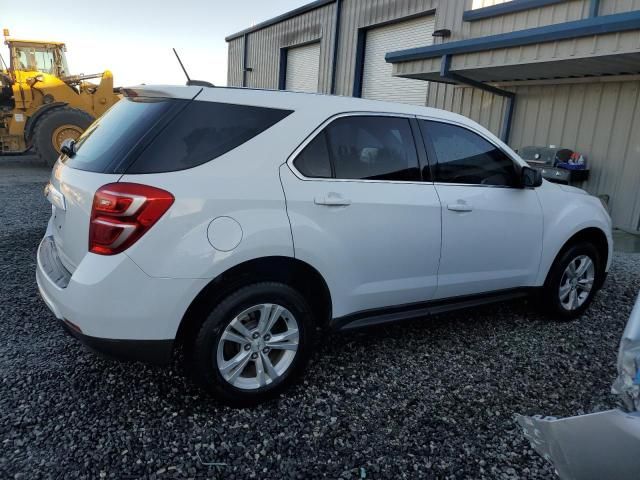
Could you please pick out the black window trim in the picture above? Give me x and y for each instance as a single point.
(431, 153)
(417, 142)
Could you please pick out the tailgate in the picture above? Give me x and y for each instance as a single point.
(71, 194)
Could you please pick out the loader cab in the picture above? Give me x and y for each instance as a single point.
(36, 56)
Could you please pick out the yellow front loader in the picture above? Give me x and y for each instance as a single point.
(42, 104)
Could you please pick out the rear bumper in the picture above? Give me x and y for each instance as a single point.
(155, 352)
(113, 307)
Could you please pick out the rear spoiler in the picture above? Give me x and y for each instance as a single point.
(161, 91)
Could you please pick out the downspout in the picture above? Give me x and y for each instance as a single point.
(505, 132)
(336, 45)
(594, 9)
(245, 59)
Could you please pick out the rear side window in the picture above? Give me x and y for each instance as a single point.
(109, 139)
(202, 132)
(373, 148)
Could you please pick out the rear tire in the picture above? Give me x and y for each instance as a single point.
(53, 127)
(572, 281)
(234, 333)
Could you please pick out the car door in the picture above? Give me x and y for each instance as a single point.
(491, 227)
(361, 214)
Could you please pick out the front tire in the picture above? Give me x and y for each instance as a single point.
(253, 344)
(572, 281)
(54, 127)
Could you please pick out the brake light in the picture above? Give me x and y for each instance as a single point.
(122, 213)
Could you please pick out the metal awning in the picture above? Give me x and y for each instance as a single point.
(597, 46)
(619, 64)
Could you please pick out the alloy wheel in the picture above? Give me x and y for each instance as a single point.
(258, 346)
(576, 282)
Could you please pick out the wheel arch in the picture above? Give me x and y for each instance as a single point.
(291, 271)
(593, 235)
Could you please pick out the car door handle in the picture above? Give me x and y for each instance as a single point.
(460, 207)
(332, 201)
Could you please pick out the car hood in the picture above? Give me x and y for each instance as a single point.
(570, 189)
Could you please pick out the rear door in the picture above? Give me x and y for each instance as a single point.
(491, 228)
(361, 214)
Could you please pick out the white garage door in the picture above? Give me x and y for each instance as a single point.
(377, 82)
(303, 66)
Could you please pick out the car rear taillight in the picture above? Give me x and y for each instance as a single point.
(122, 213)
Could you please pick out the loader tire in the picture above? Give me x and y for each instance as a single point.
(54, 127)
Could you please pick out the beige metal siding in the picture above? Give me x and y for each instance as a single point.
(450, 16)
(551, 14)
(303, 65)
(483, 107)
(265, 46)
(608, 7)
(378, 81)
(600, 120)
(234, 67)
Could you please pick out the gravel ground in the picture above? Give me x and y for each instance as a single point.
(432, 398)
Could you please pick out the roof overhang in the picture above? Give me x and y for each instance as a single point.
(281, 18)
(606, 45)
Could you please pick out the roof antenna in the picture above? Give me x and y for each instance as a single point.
(195, 83)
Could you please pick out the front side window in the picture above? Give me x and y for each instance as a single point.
(467, 158)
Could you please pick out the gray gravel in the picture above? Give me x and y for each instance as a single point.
(431, 398)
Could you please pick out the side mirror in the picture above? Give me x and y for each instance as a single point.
(68, 147)
(530, 177)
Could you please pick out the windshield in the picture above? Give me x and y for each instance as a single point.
(41, 59)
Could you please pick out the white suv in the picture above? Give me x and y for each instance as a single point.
(236, 222)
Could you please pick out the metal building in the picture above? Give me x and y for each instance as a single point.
(536, 72)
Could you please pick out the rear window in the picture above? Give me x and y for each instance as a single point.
(202, 132)
(109, 140)
(144, 135)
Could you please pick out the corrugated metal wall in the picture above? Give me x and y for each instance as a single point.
(265, 44)
(600, 118)
(234, 67)
(485, 108)
(607, 7)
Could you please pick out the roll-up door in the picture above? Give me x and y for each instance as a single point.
(303, 66)
(378, 82)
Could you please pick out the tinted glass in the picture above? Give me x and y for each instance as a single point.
(314, 161)
(110, 138)
(202, 132)
(465, 157)
(373, 148)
